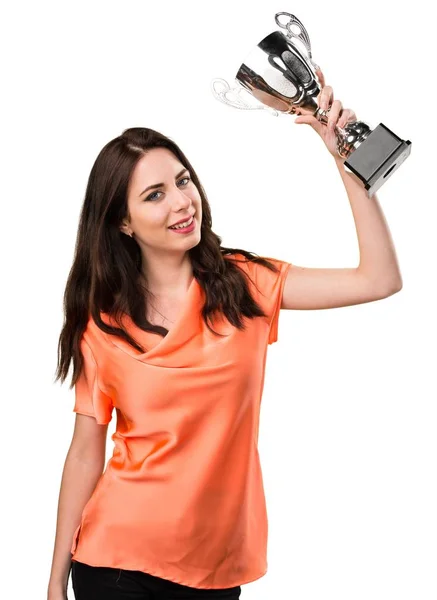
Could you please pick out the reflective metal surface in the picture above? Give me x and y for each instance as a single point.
(280, 73)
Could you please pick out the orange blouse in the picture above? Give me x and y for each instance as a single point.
(182, 496)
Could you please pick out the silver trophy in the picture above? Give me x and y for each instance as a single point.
(281, 74)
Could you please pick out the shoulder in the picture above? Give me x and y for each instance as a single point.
(236, 258)
(256, 269)
(94, 336)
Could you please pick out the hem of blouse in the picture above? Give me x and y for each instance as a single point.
(100, 422)
(159, 573)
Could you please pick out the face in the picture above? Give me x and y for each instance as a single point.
(154, 210)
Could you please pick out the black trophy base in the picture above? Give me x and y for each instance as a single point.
(378, 157)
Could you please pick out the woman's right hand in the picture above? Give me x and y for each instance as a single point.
(56, 593)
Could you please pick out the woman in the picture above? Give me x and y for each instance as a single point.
(171, 329)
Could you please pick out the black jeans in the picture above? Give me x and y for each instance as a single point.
(107, 583)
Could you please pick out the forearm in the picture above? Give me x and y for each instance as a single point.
(79, 479)
(377, 253)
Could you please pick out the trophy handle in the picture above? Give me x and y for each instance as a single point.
(237, 102)
(302, 35)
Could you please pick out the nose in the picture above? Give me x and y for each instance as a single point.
(180, 200)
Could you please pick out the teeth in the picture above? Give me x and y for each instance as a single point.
(182, 225)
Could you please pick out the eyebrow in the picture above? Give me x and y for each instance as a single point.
(157, 185)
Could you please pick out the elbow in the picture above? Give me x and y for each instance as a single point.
(394, 287)
(385, 288)
(385, 285)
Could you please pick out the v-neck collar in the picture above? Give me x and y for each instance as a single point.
(185, 326)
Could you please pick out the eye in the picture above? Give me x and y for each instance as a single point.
(151, 195)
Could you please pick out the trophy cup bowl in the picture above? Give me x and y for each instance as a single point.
(281, 74)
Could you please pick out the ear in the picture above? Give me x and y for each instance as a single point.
(124, 228)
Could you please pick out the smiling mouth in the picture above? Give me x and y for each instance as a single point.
(184, 224)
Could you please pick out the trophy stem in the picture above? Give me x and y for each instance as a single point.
(349, 137)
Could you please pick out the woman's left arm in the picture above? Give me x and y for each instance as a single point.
(378, 274)
(378, 259)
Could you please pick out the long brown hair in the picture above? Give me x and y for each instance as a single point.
(106, 274)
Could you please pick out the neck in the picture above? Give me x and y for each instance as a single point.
(168, 276)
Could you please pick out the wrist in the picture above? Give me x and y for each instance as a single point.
(339, 161)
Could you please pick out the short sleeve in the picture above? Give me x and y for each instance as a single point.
(269, 293)
(89, 398)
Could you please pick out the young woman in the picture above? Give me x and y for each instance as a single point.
(171, 329)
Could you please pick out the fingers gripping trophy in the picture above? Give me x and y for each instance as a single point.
(281, 74)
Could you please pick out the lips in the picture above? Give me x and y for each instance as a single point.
(182, 220)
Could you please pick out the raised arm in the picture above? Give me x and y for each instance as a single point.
(377, 275)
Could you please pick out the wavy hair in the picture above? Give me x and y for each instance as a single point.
(106, 274)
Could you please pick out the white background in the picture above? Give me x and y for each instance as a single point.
(348, 420)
